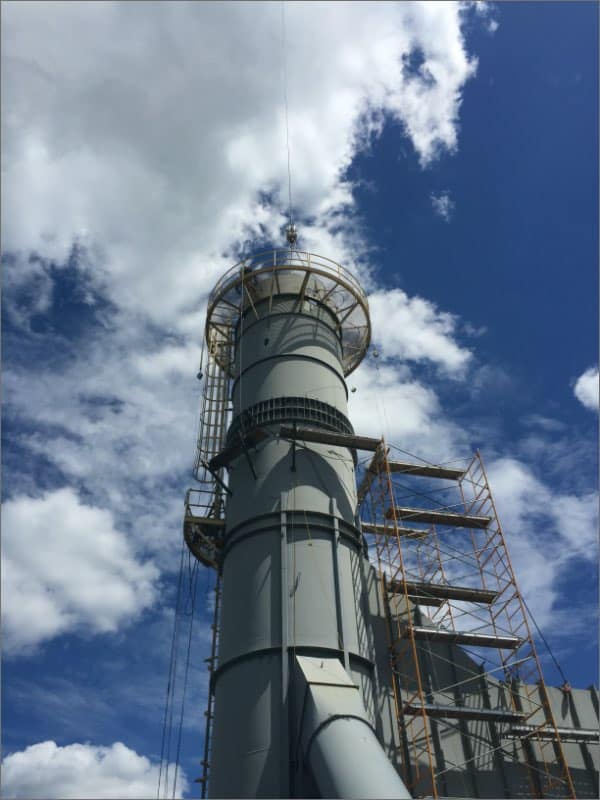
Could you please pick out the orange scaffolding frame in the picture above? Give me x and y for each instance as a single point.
(457, 567)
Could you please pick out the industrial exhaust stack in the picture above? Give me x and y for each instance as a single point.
(330, 676)
(285, 328)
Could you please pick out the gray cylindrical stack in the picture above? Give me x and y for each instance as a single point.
(293, 571)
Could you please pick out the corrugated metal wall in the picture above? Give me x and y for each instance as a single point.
(471, 756)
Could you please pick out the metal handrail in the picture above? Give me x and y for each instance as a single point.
(223, 308)
(294, 259)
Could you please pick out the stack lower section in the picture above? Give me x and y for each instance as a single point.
(299, 590)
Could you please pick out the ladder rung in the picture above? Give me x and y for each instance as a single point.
(463, 712)
(426, 470)
(439, 517)
(581, 735)
(439, 591)
(464, 637)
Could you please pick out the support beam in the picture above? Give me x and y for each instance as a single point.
(370, 473)
(463, 712)
(226, 456)
(577, 735)
(326, 437)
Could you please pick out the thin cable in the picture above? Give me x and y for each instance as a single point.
(543, 638)
(285, 104)
(180, 612)
(383, 417)
(419, 458)
(172, 661)
(193, 586)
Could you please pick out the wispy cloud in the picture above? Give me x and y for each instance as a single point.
(488, 11)
(414, 329)
(539, 519)
(587, 389)
(443, 205)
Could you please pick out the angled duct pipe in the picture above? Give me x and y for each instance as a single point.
(339, 745)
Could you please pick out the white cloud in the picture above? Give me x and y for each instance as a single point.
(586, 389)
(154, 156)
(413, 329)
(387, 400)
(65, 567)
(547, 532)
(443, 205)
(486, 10)
(45, 770)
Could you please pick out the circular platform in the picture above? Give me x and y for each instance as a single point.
(312, 278)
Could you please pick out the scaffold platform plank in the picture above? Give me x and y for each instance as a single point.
(388, 530)
(426, 470)
(577, 735)
(464, 637)
(438, 517)
(443, 592)
(463, 712)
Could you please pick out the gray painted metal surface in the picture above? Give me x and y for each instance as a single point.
(294, 576)
(338, 740)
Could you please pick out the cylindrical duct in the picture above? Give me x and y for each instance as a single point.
(292, 563)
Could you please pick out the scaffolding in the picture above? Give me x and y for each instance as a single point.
(448, 585)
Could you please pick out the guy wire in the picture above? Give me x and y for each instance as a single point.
(285, 105)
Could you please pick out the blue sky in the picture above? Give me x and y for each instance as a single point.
(448, 155)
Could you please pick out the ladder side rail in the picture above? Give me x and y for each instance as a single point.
(425, 747)
(377, 501)
(504, 661)
(556, 744)
(528, 641)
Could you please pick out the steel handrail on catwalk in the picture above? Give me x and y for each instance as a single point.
(317, 279)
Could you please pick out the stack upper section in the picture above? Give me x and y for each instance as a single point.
(312, 280)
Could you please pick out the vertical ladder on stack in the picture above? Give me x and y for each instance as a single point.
(215, 406)
(457, 566)
(204, 519)
(212, 664)
(205, 505)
